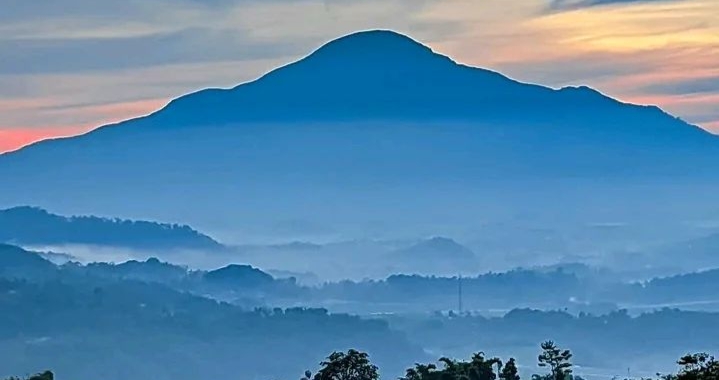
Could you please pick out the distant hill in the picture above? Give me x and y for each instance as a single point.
(150, 270)
(437, 255)
(703, 285)
(35, 226)
(238, 276)
(297, 246)
(436, 248)
(370, 120)
(16, 262)
(303, 278)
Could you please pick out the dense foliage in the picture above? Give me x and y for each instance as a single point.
(47, 375)
(699, 366)
(356, 365)
(81, 328)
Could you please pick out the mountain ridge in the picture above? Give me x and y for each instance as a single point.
(373, 44)
(369, 112)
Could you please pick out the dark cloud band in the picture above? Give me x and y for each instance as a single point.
(559, 5)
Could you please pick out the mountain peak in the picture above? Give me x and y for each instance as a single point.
(378, 75)
(369, 58)
(373, 44)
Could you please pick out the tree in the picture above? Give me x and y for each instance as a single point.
(479, 368)
(421, 372)
(482, 368)
(557, 360)
(353, 365)
(696, 367)
(47, 375)
(509, 371)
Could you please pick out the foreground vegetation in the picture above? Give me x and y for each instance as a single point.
(47, 375)
(356, 365)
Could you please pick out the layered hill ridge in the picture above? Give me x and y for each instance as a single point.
(34, 226)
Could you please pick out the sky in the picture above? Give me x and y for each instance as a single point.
(68, 67)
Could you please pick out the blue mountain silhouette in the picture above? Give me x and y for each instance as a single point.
(370, 109)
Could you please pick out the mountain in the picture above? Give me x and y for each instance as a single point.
(35, 226)
(354, 128)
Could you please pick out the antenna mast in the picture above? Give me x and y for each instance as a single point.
(459, 293)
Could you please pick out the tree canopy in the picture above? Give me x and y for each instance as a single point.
(356, 365)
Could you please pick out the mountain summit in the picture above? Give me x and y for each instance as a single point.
(370, 110)
(374, 74)
(373, 47)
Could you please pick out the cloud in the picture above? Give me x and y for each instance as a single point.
(712, 126)
(561, 5)
(90, 99)
(87, 54)
(684, 87)
(12, 138)
(87, 35)
(580, 69)
(694, 108)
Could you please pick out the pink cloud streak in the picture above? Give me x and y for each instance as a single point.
(16, 137)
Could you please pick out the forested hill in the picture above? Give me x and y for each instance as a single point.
(35, 226)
